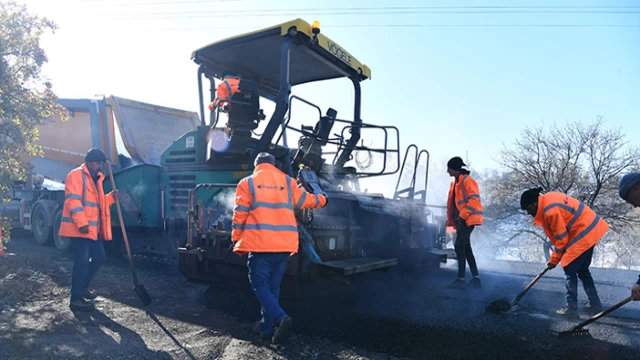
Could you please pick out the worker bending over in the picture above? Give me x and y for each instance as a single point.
(574, 229)
(86, 220)
(464, 212)
(226, 89)
(629, 190)
(265, 227)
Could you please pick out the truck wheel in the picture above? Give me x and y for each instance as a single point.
(39, 225)
(62, 243)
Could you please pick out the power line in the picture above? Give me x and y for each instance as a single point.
(403, 26)
(333, 13)
(111, 4)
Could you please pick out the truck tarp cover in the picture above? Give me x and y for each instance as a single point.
(148, 130)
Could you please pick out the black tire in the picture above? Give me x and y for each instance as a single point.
(62, 243)
(40, 225)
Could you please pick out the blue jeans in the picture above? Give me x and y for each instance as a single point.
(83, 269)
(579, 268)
(265, 274)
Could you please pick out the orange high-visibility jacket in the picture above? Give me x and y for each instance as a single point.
(81, 203)
(263, 217)
(467, 200)
(572, 227)
(226, 89)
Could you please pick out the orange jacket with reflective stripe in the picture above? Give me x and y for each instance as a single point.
(226, 89)
(82, 200)
(572, 227)
(263, 217)
(467, 200)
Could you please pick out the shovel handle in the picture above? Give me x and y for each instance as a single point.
(124, 231)
(515, 301)
(601, 314)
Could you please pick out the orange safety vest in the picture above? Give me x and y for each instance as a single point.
(263, 217)
(226, 89)
(572, 227)
(82, 200)
(467, 201)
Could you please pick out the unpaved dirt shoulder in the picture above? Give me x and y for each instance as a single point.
(36, 323)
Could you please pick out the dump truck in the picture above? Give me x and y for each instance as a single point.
(129, 132)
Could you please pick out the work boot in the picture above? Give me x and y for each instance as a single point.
(591, 309)
(80, 305)
(474, 283)
(569, 313)
(256, 330)
(458, 284)
(90, 294)
(283, 331)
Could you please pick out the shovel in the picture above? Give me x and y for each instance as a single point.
(504, 305)
(578, 329)
(138, 288)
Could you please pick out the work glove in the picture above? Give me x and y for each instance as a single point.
(84, 229)
(550, 266)
(635, 292)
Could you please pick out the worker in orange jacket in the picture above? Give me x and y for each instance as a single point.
(264, 227)
(464, 212)
(573, 229)
(629, 191)
(226, 89)
(86, 219)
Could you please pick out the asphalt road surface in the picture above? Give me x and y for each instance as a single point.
(413, 316)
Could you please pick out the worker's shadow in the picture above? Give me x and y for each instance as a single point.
(122, 337)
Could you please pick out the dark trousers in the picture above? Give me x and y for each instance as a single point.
(463, 249)
(265, 275)
(579, 268)
(88, 257)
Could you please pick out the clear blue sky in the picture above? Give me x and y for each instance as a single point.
(450, 89)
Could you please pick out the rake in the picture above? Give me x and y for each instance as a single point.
(578, 329)
(504, 305)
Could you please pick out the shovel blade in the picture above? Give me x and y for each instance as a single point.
(142, 294)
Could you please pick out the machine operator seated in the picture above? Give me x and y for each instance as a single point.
(238, 98)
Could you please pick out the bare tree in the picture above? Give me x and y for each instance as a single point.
(585, 161)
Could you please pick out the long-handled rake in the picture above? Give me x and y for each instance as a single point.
(138, 288)
(503, 305)
(578, 329)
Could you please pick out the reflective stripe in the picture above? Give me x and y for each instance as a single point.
(465, 198)
(272, 205)
(464, 192)
(576, 215)
(228, 90)
(92, 204)
(84, 187)
(584, 232)
(289, 195)
(70, 220)
(73, 196)
(271, 227)
(301, 201)
(559, 251)
(252, 191)
(561, 236)
(237, 226)
(317, 201)
(241, 208)
(76, 210)
(473, 210)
